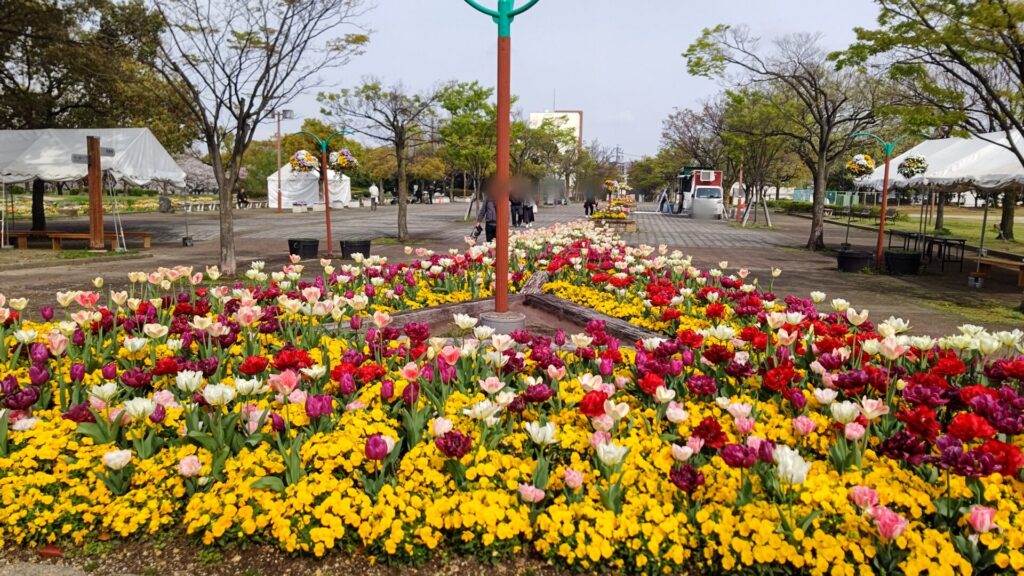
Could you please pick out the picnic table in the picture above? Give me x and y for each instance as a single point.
(949, 250)
(987, 263)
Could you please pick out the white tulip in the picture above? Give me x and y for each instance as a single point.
(611, 454)
(188, 381)
(218, 394)
(792, 467)
(117, 459)
(541, 435)
(139, 408)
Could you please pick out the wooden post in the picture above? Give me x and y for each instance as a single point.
(95, 194)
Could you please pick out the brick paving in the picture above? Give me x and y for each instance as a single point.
(262, 234)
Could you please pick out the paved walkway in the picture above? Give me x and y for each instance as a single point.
(263, 234)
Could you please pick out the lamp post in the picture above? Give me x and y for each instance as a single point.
(503, 17)
(887, 148)
(322, 143)
(278, 115)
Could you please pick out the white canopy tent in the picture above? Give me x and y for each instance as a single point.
(304, 188)
(956, 164)
(138, 159)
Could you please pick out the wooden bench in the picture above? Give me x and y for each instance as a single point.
(57, 238)
(986, 264)
(863, 213)
(22, 236)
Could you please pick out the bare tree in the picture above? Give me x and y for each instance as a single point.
(824, 107)
(391, 115)
(234, 62)
(699, 136)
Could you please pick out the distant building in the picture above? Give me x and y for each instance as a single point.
(568, 119)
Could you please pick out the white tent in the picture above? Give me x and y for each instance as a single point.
(956, 164)
(138, 158)
(304, 188)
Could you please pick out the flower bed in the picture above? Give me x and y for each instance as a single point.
(760, 435)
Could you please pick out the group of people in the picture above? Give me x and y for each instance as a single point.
(522, 208)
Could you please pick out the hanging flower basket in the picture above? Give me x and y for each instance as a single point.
(303, 161)
(912, 166)
(861, 165)
(342, 160)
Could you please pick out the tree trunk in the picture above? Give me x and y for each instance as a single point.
(38, 209)
(940, 211)
(227, 177)
(403, 193)
(816, 241)
(1009, 209)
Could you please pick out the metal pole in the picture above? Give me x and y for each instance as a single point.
(278, 116)
(879, 254)
(502, 177)
(327, 196)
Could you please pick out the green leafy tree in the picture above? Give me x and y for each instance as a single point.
(232, 63)
(391, 115)
(958, 64)
(468, 134)
(821, 107)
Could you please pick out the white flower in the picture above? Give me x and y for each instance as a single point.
(314, 372)
(155, 331)
(139, 408)
(25, 336)
(681, 453)
(611, 454)
(581, 340)
(502, 342)
(442, 426)
(845, 411)
(721, 332)
(817, 297)
(105, 391)
(676, 413)
(663, 395)
(792, 467)
(541, 435)
(117, 459)
(856, 318)
(482, 410)
(483, 332)
(840, 305)
(23, 424)
(218, 394)
(250, 386)
(825, 396)
(188, 381)
(464, 321)
(616, 411)
(896, 325)
(174, 345)
(871, 347)
(134, 344)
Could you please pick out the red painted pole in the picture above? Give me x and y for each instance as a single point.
(95, 193)
(879, 254)
(327, 198)
(502, 177)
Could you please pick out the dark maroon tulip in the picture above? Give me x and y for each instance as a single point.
(276, 423)
(22, 399)
(38, 353)
(411, 393)
(47, 313)
(686, 478)
(355, 323)
(79, 413)
(8, 385)
(454, 444)
(77, 372)
(110, 371)
(38, 375)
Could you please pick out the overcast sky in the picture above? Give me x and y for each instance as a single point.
(617, 60)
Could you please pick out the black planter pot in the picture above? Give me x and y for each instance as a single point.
(901, 263)
(305, 247)
(854, 260)
(350, 248)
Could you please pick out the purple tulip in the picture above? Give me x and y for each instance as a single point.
(318, 406)
(8, 385)
(686, 478)
(355, 323)
(47, 313)
(79, 413)
(376, 448)
(110, 371)
(347, 385)
(158, 415)
(136, 378)
(38, 375)
(22, 399)
(276, 423)
(78, 338)
(738, 455)
(454, 444)
(606, 367)
(411, 393)
(38, 353)
(399, 290)
(560, 338)
(387, 390)
(77, 372)
(538, 393)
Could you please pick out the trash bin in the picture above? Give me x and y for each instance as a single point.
(304, 247)
(349, 248)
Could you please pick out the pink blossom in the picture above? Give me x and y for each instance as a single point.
(600, 437)
(87, 299)
(297, 396)
(603, 423)
(982, 518)
(189, 466)
(873, 408)
(165, 398)
(864, 497)
(695, 444)
(530, 493)
(556, 373)
(355, 405)
(745, 425)
(450, 355)
(284, 382)
(889, 524)
(492, 384)
(854, 431)
(573, 478)
(410, 371)
(803, 425)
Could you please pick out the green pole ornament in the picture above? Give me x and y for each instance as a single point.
(504, 15)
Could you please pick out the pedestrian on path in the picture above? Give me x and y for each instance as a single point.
(374, 197)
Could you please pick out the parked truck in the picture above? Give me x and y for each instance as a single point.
(699, 193)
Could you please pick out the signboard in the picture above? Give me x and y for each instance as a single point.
(84, 158)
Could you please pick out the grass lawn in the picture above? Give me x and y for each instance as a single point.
(960, 223)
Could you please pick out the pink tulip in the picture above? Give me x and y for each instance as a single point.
(492, 384)
(573, 478)
(87, 299)
(864, 497)
(889, 524)
(164, 398)
(696, 444)
(745, 425)
(189, 466)
(57, 343)
(803, 425)
(556, 373)
(450, 355)
(982, 518)
(311, 293)
(410, 371)
(853, 431)
(600, 437)
(872, 408)
(891, 349)
(284, 382)
(530, 493)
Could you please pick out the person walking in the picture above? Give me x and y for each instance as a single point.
(529, 211)
(590, 203)
(241, 199)
(374, 197)
(488, 218)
